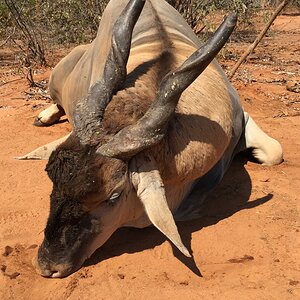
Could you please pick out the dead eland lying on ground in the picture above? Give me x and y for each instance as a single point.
(155, 122)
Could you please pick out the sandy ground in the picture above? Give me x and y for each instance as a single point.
(246, 245)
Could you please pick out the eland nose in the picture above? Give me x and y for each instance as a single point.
(46, 270)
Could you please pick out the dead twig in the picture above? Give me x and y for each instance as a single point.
(31, 81)
(273, 81)
(293, 87)
(199, 28)
(10, 81)
(259, 38)
(38, 94)
(8, 38)
(34, 43)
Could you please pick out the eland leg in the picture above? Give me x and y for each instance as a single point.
(265, 149)
(49, 115)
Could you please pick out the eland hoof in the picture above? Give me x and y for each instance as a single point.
(39, 123)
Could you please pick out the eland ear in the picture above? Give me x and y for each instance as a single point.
(45, 151)
(150, 191)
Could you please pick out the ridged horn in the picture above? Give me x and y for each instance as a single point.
(151, 128)
(114, 74)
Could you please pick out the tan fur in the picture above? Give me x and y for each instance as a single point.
(60, 75)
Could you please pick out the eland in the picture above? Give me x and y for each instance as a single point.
(155, 125)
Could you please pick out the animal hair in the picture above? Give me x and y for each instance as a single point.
(72, 169)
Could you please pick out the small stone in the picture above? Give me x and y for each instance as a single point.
(3, 268)
(293, 282)
(7, 250)
(33, 246)
(14, 275)
(293, 87)
(242, 259)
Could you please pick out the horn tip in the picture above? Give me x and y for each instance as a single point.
(28, 157)
(232, 18)
(20, 157)
(179, 245)
(185, 252)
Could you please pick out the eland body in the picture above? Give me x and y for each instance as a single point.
(156, 124)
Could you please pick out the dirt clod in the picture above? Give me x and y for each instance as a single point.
(3, 268)
(293, 87)
(245, 258)
(7, 251)
(121, 276)
(294, 282)
(13, 275)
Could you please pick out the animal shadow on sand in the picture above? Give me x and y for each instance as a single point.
(230, 196)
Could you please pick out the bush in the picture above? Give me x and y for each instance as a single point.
(76, 21)
(195, 10)
(60, 22)
(35, 22)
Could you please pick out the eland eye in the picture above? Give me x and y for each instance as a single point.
(113, 199)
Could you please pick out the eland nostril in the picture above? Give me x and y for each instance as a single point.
(57, 275)
(47, 273)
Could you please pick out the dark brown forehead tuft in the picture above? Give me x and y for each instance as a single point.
(72, 168)
(78, 173)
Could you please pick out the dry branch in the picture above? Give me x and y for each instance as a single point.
(38, 94)
(31, 81)
(259, 37)
(34, 43)
(8, 38)
(10, 81)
